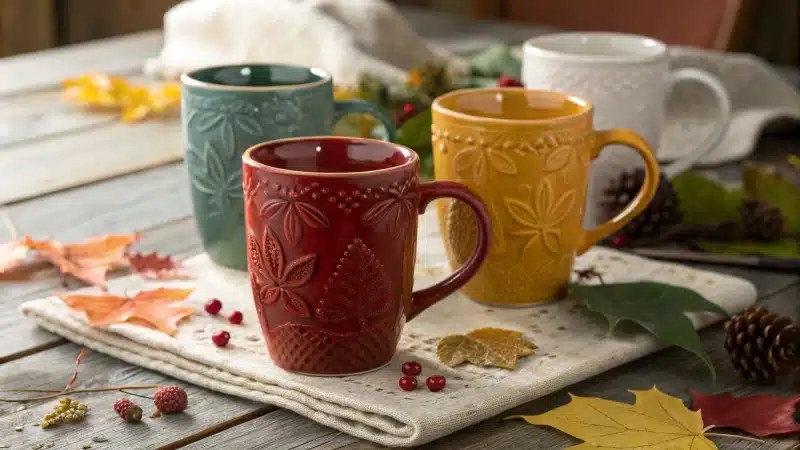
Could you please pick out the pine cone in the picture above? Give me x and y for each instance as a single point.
(663, 212)
(760, 220)
(761, 344)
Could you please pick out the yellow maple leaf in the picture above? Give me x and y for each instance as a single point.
(656, 421)
(134, 102)
(485, 347)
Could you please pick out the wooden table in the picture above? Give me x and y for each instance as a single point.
(71, 175)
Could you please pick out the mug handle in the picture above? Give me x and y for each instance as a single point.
(343, 107)
(428, 192)
(642, 199)
(712, 141)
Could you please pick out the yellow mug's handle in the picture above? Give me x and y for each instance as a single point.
(642, 199)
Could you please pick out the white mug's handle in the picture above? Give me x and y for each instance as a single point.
(688, 74)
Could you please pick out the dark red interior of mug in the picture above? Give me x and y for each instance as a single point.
(331, 155)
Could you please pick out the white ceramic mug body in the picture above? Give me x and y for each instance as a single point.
(627, 78)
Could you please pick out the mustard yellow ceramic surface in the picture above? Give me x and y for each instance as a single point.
(527, 154)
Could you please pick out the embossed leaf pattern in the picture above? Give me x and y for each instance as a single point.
(274, 280)
(557, 159)
(473, 163)
(249, 187)
(541, 220)
(394, 211)
(359, 289)
(210, 176)
(295, 214)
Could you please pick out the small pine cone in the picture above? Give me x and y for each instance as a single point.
(663, 212)
(760, 220)
(128, 411)
(170, 399)
(761, 344)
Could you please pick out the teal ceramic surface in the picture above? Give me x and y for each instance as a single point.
(225, 110)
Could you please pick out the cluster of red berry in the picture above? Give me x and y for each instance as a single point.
(221, 337)
(408, 382)
(168, 400)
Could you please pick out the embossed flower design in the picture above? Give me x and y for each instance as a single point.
(295, 213)
(395, 210)
(474, 162)
(540, 220)
(211, 177)
(358, 289)
(274, 280)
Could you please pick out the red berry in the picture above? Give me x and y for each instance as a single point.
(213, 306)
(619, 241)
(411, 368)
(436, 383)
(235, 318)
(506, 81)
(409, 109)
(408, 383)
(128, 411)
(170, 399)
(221, 338)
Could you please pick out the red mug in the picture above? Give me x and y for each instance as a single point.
(331, 243)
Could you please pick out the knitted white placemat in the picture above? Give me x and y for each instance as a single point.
(573, 346)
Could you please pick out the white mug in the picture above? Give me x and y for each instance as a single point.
(627, 78)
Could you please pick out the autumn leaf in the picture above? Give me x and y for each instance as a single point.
(152, 266)
(659, 308)
(152, 309)
(704, 201)
(485, 347)
(88, 261)
(778, 186)
(656, 421)
(760, 415)
(13, 257)
(134, 102)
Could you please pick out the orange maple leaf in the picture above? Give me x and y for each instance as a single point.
(152, 309)
(88, 261)
(152, 266)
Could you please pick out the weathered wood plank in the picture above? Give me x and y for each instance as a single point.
(38, 168)
(44, 69)
(270, 432)
(156, 200)
(52, 369)
(674, 371)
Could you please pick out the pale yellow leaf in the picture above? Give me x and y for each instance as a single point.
(656, 421)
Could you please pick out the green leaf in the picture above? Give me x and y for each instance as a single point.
(794, 161)
(779, 186)
(416, 134)
(657, 307)
(704, 201)
(495, 61)
(783, 248)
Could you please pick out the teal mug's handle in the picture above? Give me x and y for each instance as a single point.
(344, 107)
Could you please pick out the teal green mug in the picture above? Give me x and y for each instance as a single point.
(227, 109)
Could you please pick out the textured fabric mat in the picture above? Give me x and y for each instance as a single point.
(573, 346)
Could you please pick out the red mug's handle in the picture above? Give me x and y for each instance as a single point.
(428, 192)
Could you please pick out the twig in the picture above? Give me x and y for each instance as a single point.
(736, 436)
(73, 391)
(136, 395)
(75, 372)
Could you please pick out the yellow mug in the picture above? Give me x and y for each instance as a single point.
(526, 153)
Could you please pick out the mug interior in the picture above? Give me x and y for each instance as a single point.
(259, 75)
(596, 45)
(330, 155)
(511, 104)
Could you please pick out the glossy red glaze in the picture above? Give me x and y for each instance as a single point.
(332, 231)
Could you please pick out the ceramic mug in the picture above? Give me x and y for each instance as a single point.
(527, 154)
(227, 109)
(628, 79)
(331, 240)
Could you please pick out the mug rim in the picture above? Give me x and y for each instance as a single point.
(535, 47)
(437, 106)
(188, 78)
(250, 161)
